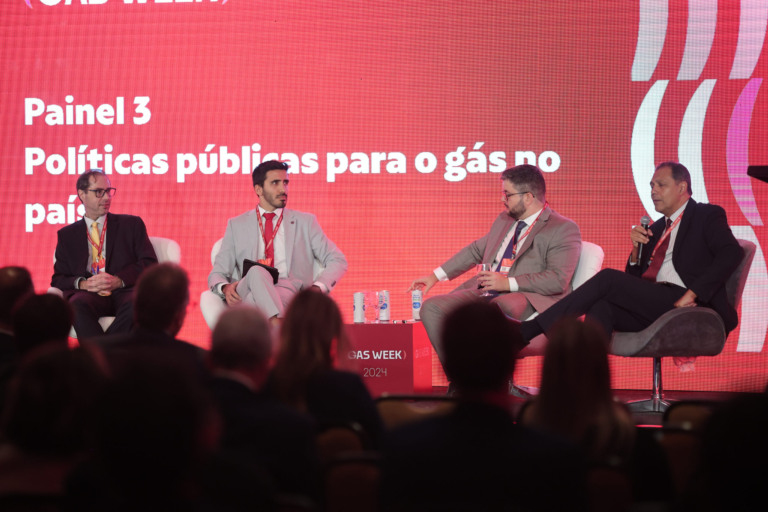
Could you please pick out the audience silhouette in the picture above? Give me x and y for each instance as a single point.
(146, 421)
(304, 375)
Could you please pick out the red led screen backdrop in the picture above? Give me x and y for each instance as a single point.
(396, 118)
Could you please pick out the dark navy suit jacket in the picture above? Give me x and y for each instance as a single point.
(128, 252)
(705, 255)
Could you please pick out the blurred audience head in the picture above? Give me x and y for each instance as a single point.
(734, 450)
(311, 335)
(41, 319)
(51, 403)
(162, 296)
(576, 362)
(15, 283)
(156, 425)
(242, 342)
(311, 325)
(480, 345)
(575, 399)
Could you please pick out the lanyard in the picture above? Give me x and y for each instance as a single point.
(665, 235)
(269, 242)
(100, 245)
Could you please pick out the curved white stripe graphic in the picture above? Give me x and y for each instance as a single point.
(702, 19)
(691, 135)
(651, 32)
(753, 322)
(643, 144)
(752, 27)
(737, 152)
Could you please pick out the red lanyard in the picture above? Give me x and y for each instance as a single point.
(521, 238)
(269, 242)
(667, 233)
(100, 245)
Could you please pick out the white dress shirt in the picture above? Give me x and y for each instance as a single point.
(513, 287)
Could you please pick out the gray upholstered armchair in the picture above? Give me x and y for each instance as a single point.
(681, 332)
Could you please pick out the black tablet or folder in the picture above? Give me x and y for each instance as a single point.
(247, 264)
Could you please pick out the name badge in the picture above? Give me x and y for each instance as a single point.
(506, 264)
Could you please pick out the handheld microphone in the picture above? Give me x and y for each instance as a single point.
(645, 221)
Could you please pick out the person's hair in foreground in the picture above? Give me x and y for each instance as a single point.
(241, 340)
(311, 335)
(52, 403)
(41, 319)
(480, 346)
(15, 283)
(162, 296)
(575, 399)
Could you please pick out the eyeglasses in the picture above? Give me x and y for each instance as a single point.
(506, 195)
(99, 192)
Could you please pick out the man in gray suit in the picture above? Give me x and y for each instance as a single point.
(532, 252)
(275, 236)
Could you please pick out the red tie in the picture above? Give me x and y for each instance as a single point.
(658, 258)
(269, 230)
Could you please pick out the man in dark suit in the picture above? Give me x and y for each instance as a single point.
(256, 427)
(686, 258)
(531, 249)
(97, 269)
(159, 307)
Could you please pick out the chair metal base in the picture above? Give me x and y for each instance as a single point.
(655, 404)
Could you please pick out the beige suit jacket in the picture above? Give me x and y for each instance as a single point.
(544, 265)
(305, 242)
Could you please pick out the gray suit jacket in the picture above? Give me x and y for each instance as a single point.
(305, 242)
(544, 265)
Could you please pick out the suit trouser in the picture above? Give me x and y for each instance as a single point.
(89, 307)
(616, 301)
(258, 289)
(436, 309)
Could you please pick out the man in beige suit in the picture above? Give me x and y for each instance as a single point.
(532, 252)
(275, 236)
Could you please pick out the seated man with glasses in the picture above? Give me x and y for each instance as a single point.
(531, 252)
(99, 259)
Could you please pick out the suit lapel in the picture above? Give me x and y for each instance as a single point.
(258, 239)
(113, 230)
(81, 249)
(498, 238)
(289, 224)
(682, 231)
(540, 223)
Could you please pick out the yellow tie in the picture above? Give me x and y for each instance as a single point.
(95, 243)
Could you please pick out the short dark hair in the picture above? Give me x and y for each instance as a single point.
(480, 345)
(84, 180)
(50, 406)
(41, 319)
(15, 283)
(261, 170)
(679, 173)
(527, 178)
(162, 292)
